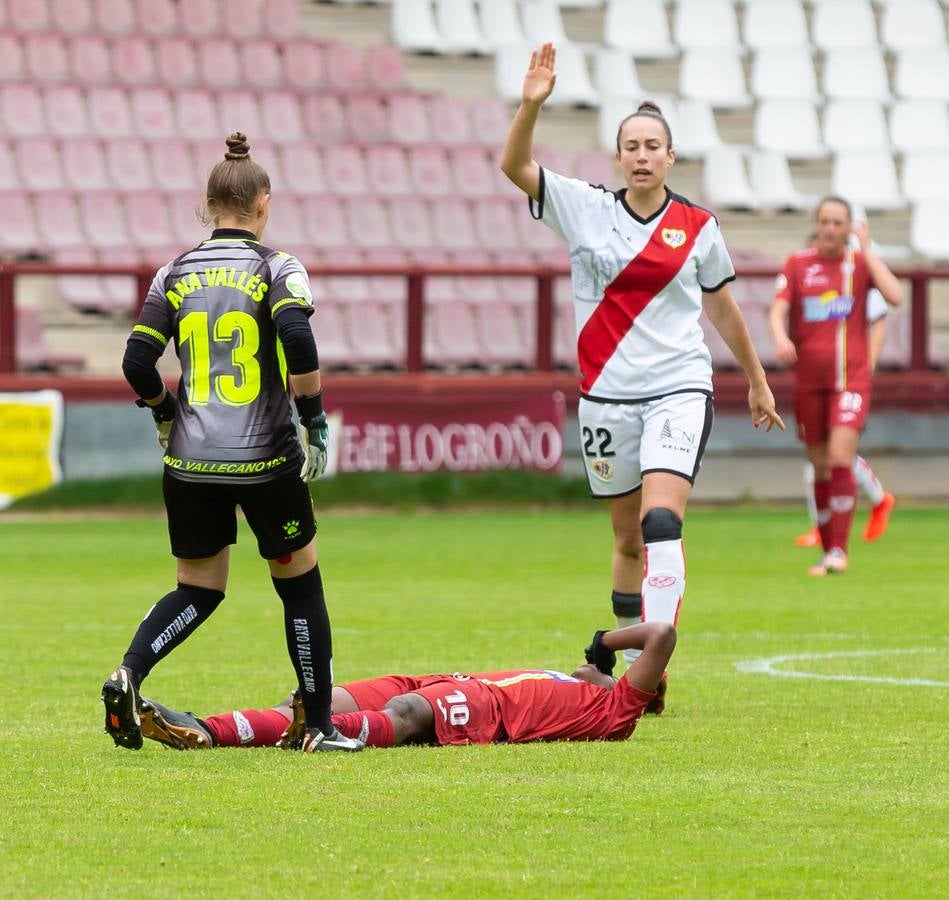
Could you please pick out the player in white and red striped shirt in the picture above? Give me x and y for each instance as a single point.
(645, 262)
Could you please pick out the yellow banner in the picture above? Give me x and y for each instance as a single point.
(31, 430)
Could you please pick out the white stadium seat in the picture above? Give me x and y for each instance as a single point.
(500, 23)
(543, 22)
(911, 24)
(642, 28)
(705, 24)
(927, 231)
(788, 127)
(413, 27)
(724, 180)
(919, 125)
(856, 73)
(784, 73)
(457, 23)
(777, 23)
(843, 23)
(696, 132)
(713, 75)
(926, 176)
(573, 79)
(923, 73)
(868, 179)
(770, 179)
(855, 125)
(615, 74)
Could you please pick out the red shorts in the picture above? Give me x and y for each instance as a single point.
(818, 410)
(466, 712)
(374, 693)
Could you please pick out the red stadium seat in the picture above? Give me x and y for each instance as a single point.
(33, 351)
(387, 170)
(451, 337)
(103, 219)
(46, 58)
(303, 168)
(565, 337)
(263, 62)
(115, 16)
(285, 225)
(495, 223)
(411, 223)
(430, 170)
(149, 224)
(503, 335)
(345, 169)
(454, 227)
(184, 207)
(177, 63)
(238, 111)
(596, 167)
(201, 18)
(9, 176)
(218, 63)
(173, 166)
(84, 165)
(90, 60)
(475, 288)
(156, 18)
(83, 292)
(128, 165)
(12, 66)
(22, 110)
(282, 18)
(490, 119)
(385, 68)
(282, 118)
(121, 290)
(39, 164)
(65, 111)
(325, 119)
(268, 154)
(153, 113)
(58, 220)
(472, 172)
(242, 18)
(109, 112)
(408, 119)
(303, 66)
(71, 16)
(332, 341)
(450, 122)
(133, 60)
(346, 68)
(368, 222)
(19, 231)
(367, 119)
(197, 114)
(28, 15)
(325, 222)
(516, 289)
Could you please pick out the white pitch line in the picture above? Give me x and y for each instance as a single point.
(766, 666)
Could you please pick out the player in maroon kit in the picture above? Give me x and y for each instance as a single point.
(493, 707)
(823, 294)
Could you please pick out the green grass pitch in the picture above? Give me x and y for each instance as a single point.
(751, 784)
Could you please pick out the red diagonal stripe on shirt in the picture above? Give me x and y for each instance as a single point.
(627, 295)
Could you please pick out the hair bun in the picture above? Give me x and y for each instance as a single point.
(647, 106)
(237, 146)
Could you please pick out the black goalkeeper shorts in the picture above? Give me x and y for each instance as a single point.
(202, 515)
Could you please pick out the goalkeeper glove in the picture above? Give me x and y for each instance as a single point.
(164, 416)
(314, 436)
(597, 654)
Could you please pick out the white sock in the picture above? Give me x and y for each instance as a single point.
(867, 481)
(622, 622)
(663, 581)
(809, 493)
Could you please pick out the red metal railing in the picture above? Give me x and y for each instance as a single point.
(919, 279)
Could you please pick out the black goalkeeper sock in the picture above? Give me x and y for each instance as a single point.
(169, 623)
(310, 643)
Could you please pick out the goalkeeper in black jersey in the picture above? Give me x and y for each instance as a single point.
(238, 314)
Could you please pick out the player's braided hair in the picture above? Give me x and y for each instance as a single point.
(651, 110)
(235, 182)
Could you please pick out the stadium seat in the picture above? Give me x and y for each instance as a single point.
(573, 79)
(388, 171)
(368, 222)
(923, 73)
(242, 19)
(282, 119)
(777, 24)
(46, 58)
(109, 113)
(173, 166)
(843, 23)
(549, 158)
(919, 125)
(148, 221)
(57, 219)
(413, 27)
(912, 24)
(495, 223)
(22, 111)
(65, 111)
(490, 120)
(28, 15)
(715, 76)
(285, 227)
(345, 170)
(705, 25)
(385, 68)
(346, 68)
(784, 73)
(176, 62)
(268, 153)
(897, 347)
(640, 28)
(33, 351)
(454, 226)
(502, 334)
(724, 180)
(788, 127)
(133, 61)
(856, 73)
(84, 165)
(282, 18)
(157, 18)
(103, 219)
(325, 223)
(408, 119)
(500, 23)
(302, 166)
(695, 130)
(128, 165)
(927, 233)
(450, 336)
(38, 164)
(90, 60)
(430, 170)
(9, 176)
(596, 167)
(331, 339)
(855, 125)
(450, 122)
(12, 66)
(115, 17)
(69, 17)
(183, 207)
(771, 183)
(926, 175)
(542, 22)
(325, 119)
(615, 74)
(367, 119)
(472, 171)
(475, 289)
(201, 19)
(411, 223)
(197, 115)
(304, 66)
(565, 336)
(19, 232)
(153, 114)
(218, 63)
(264, 59)
(457, 23)
(868, 179)
(85, 293)
(238, 111)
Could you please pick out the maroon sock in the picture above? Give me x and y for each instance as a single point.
(843, 499)
(822, 505)
(247, 728)
(380, 727)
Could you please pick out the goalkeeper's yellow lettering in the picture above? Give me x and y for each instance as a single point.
(239, 279)
(205, 467)
(262, 289)
(183, 288)
(173, 298)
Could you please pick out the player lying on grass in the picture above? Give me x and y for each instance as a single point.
(492, 707)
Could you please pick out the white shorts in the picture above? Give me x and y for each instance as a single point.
(621, 442)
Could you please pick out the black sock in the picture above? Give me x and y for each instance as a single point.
(169, 623)
(630, 606)
(310, 643)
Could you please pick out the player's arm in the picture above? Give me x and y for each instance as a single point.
(517, 157)
(724, 314)
(784, 347)
(883, 279)
(656, 640)
(877, 339)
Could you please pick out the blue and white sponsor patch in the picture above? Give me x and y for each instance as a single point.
(828, 307)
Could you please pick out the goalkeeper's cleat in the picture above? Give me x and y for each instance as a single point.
(879, 518)
(658, 703)
(809, 538)
(122, 721)
(292, 738)
(834, 562)
(178, 730)
(314, 741)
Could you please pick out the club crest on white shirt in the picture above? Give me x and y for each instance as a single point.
(603, 469)
(673, 237)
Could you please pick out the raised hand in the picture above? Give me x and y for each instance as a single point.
(540, 78)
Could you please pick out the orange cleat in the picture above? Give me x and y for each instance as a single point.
(809, 538)
(879, 518)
